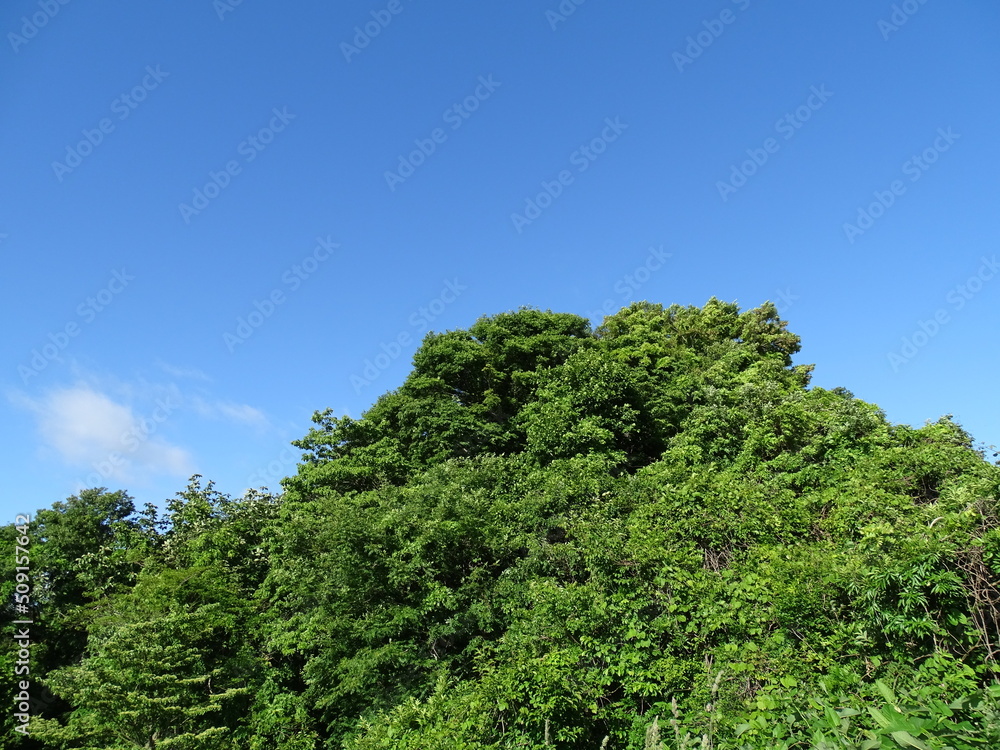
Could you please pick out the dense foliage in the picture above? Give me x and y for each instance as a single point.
(651, 535)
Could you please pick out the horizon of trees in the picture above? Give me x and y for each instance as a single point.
(653, 534)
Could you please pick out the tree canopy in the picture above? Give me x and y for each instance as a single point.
(653, 534)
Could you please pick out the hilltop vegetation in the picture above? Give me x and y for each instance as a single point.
(654, 534)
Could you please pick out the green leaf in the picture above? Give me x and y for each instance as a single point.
(879, 717)
(905, 739)
(886, 692)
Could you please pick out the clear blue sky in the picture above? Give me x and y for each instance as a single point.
(170, 169)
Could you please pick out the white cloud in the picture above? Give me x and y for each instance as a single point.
(114, 431)
(242, 413)
(88, 430)
(192, 373)
(239, 413)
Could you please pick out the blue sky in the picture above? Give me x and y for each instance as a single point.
(214, 215)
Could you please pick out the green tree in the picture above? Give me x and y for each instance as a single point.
(166, 666)
(650, 535)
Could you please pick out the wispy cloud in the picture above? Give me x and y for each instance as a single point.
(239, 413)
(116, 430)
(87, 429)
(183, 373)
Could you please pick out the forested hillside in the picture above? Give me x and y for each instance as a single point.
(652, 534)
